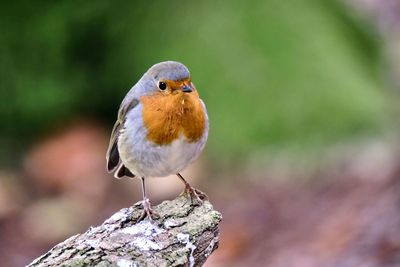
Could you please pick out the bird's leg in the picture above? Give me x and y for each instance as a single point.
(147, 211)
(191, 191)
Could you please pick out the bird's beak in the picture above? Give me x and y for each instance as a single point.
(186, 89)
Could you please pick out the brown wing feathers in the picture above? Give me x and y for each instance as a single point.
(112, 155)
(112, 152)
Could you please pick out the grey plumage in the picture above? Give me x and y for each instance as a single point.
(170, 70)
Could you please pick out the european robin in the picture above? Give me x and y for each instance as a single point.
(162, 127)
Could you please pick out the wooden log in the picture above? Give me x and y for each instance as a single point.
(184, 235)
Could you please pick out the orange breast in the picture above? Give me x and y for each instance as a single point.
(169, 116)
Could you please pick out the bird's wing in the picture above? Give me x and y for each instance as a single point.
(112, 155)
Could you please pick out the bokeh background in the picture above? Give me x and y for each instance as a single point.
(303, 155)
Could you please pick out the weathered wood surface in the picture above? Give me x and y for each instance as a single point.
(184, 235)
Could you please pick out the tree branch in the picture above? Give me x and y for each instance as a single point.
(185, 235)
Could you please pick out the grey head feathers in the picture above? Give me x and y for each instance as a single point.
(170, 70)
(148, 84)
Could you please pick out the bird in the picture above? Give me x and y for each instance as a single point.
(162, 126)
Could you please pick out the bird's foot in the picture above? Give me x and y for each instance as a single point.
(194, 193)
(148, 212)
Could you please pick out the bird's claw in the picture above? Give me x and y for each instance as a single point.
(148, 212)
(192, 192)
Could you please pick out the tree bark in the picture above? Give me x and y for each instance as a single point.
(184, 235)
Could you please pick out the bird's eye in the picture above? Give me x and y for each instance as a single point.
(162, 85)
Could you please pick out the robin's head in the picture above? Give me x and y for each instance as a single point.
(169, 77)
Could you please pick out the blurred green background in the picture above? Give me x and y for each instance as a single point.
(297, 78)
(273, 74)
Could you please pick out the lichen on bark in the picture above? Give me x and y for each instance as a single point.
(184, 235)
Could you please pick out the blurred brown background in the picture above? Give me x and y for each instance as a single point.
(303, 156)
